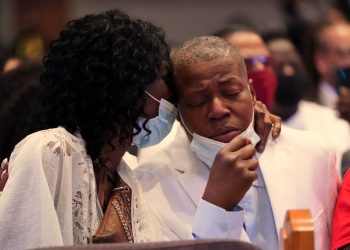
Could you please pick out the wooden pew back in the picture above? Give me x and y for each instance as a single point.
(297, 232)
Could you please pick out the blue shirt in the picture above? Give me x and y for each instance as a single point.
(259, 222)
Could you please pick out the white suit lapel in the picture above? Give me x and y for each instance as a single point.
(194, 179)
(277, 174)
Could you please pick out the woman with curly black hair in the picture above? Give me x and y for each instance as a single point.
(101, 81)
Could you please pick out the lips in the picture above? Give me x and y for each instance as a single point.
(225, 134)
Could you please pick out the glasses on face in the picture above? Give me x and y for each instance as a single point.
(253, 62)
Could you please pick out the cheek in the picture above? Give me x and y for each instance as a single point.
(194, 120)
(151, 108)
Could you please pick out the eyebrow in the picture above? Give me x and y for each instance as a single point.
(229, 77)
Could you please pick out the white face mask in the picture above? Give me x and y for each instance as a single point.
(159, 126)
(206, 149)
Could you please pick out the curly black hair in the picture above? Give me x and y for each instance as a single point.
(95, 74)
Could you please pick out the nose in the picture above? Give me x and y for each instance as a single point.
(218, 109)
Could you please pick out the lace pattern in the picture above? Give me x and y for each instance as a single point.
(86, 212)
(145, 226)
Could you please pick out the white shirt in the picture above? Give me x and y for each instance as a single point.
(328, 95)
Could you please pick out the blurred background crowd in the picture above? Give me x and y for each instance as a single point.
(308, 43)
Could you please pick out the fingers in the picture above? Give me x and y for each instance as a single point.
(264, 123)
(276, 125)
(236, 143)
(3, 174)
(247, 152)
(4, 164)
(259, 116)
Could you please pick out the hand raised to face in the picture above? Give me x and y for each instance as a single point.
(232, 174)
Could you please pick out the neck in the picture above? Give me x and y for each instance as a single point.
(113, 152)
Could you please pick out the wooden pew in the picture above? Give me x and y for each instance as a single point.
(297, 232)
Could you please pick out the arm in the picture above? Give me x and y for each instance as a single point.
(27, 212)
(218, 215)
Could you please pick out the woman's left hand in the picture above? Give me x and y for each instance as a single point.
(264, 122)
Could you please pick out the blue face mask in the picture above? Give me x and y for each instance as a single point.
(159, 126)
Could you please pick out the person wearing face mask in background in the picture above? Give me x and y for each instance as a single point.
(291, 104)
(209, 182)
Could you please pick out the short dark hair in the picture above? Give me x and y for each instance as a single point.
(233, 28)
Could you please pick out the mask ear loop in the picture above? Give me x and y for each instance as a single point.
(183, 123)
(152, 96)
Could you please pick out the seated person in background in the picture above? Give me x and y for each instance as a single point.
(209, 182)
(290, 103)
(331, 54)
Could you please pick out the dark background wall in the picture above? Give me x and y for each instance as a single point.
(182, 19)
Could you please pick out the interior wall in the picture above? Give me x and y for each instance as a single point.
(184, 19)
(181, 19)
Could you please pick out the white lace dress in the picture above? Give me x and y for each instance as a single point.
(50, 198)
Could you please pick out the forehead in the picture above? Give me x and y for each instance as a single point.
(207, 71)
(282, 50)
(249, 44)
(337, 35)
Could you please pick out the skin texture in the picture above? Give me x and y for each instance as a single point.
(249, 45)
(159, 90)
(216, 101)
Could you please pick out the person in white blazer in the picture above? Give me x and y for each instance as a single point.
(209, 182)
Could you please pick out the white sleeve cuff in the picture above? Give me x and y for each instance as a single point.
(211, 221)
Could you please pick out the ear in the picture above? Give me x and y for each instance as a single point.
(252, 90)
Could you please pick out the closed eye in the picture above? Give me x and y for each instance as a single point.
(196, 103)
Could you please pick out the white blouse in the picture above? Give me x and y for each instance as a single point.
(50, 198)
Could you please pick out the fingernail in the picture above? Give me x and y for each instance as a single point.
(261, 148)
(3, 173)
(4, 161)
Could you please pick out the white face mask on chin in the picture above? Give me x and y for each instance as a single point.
(206, 149)
(159, 126)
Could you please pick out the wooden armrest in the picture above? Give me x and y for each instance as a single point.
(298, 231)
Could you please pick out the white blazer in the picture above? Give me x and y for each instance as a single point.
(298, 169)
(325, 122)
